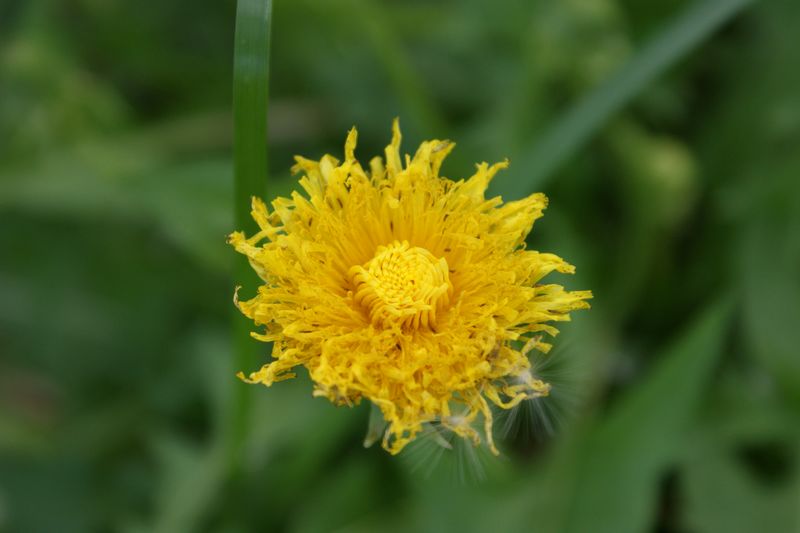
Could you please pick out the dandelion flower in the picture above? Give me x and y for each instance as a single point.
(405, 288)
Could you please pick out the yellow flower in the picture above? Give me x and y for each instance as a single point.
(405, 288)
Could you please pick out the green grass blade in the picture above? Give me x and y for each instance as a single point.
(250, 94)
(250, 85)
(531, 168)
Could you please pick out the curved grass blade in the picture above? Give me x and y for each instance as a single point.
(250, 94)
(535, 165)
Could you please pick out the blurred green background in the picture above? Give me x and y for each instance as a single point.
(676, 398)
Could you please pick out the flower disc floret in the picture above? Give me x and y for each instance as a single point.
(402, 286)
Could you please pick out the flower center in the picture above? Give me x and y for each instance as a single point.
(402, 285)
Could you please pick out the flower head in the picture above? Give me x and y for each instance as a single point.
(405, 288)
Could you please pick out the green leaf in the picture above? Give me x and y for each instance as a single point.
(741, 472)
(616, 482)
(604, 477)
(538, 162)
(190, 481)
(769, 260)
